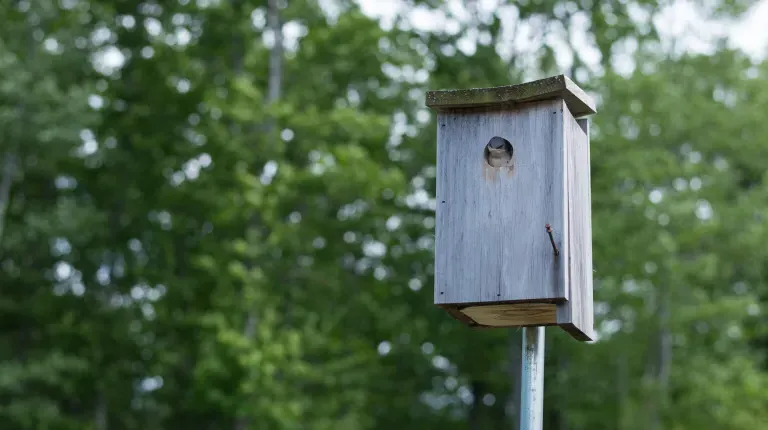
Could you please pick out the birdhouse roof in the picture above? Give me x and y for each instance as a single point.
(578, 102)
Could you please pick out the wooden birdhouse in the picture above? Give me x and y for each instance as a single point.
(513, 245)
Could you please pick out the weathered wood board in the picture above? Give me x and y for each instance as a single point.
(552, 88)
(490, 242)
(577, 316)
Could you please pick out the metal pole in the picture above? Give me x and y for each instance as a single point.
(532, 385)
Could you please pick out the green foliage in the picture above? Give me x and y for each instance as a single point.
(179, 249)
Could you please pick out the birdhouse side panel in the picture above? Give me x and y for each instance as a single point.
(500, 180)
(576, 316)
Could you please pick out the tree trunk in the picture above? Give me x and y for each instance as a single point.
(622, 391)
(664, 357)
(276, 54)
(514, 351)
(659, 361)
(6, 180)
(273, 94)
(475, 411)
(100, 419)
(562, 409)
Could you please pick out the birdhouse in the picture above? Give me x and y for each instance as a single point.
(513, 235)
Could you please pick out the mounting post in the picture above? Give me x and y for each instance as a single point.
(532, 385)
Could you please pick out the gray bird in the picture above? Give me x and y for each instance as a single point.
(498, 152)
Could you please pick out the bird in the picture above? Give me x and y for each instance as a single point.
(498, 152)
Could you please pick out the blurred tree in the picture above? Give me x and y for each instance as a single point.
(44, 121)
(211, 224)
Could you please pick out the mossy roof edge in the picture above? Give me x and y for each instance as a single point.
(560, 86)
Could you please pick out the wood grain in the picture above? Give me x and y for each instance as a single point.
(491, 243)
(576, 316)
(513, 314)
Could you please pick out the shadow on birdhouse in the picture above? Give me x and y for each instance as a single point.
(513, 245)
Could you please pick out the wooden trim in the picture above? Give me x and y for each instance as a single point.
(505, 315)
(560, 86)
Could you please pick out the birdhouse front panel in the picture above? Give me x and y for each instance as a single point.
(500, 180)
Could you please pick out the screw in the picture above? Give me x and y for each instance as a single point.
(552, 239)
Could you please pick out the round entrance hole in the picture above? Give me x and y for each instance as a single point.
(498, 152)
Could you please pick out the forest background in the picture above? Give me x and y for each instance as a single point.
(219, 214)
